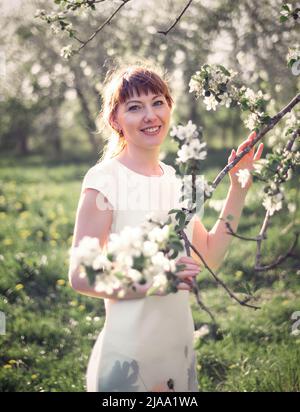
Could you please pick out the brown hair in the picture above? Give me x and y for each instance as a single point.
(119, 86)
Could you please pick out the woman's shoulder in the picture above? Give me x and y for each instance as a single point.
(168, 168)
(103, 166)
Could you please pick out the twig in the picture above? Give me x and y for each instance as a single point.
(281, 258)
(195, 287)
(177, 19)
(107, 21)
(231, 232)
(218, 280)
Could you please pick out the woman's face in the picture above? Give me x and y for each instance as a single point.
(144, 119)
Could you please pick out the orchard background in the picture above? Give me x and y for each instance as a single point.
(48, 140)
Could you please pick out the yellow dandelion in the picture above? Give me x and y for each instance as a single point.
(24, 234)
(239, 274)
(12, 362)
(19, 286)
(60, 282)
(7, 366)
(24, 214)
(34, 376)
(81, 307)
(55, 235)
(73, 303)
(7, 242)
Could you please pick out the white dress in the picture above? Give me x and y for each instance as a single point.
(146, 344)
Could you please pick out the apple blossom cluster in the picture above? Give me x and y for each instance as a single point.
(135, 255)
(215, 84)
(66, 52)
(191, 150)
(284, 162)
(190, 145)
(289, 11)
(273, 203)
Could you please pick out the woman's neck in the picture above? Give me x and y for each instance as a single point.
(144, 162)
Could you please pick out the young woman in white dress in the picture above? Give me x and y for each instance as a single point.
(146, 343)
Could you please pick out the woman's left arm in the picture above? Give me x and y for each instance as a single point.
(214, 244)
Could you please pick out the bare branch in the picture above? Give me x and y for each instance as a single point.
(194, 284)
(231, 232)
(281, 258)
(177, 19)
(219, 281)
(107, 21)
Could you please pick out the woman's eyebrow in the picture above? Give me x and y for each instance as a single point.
(139, 101)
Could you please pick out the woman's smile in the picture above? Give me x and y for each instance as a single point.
(151, 131)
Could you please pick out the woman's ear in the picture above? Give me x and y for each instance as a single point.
(114, 124)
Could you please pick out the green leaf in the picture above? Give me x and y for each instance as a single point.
(224, 70)
(286, 7)
(174, 211)
(283, 19)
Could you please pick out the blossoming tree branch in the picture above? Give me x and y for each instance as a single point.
(146, 255)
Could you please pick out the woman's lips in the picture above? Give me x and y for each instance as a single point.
(148, 133)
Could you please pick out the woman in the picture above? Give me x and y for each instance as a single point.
(146, 343)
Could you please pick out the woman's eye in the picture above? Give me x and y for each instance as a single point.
(133, 108)
(159, 101)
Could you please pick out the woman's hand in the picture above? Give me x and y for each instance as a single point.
(188, 274)
(246, 162)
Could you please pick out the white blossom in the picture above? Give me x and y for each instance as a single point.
(150, 248)
(252, 121)
(243, 177)
(86, 252)
(200, 333)
(193, 150)
(186, 133)
(67, 51)
(102, 262)
(225, 99)
(159, 234)
(273, 203)
(210, 102)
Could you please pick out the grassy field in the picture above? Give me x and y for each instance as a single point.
(50, 329)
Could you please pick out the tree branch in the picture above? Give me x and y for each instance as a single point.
(177, 19)
(281, 258)
(217, 279)
(107, 21)
(260, 134)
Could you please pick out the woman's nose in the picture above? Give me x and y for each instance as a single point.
(149, 114)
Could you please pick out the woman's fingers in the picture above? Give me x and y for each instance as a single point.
(183, 286)
(247, 142)
(259, 152)
(186, 274)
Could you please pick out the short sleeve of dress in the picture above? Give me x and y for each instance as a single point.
(102, 178)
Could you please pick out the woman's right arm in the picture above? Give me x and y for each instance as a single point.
(94, 222)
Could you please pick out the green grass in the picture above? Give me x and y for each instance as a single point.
(50, 329)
